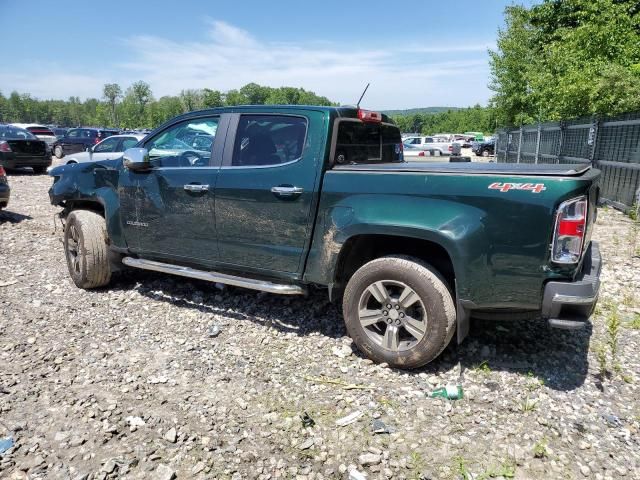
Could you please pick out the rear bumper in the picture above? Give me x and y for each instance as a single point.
(570, 304)
(26, 161)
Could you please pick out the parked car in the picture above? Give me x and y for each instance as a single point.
(320, 196)
(41, 132)
(5, 191)
(484, 149)
(80, 139)
(109, 148)
(20, 148)
(415, 153)
(59, 131)
(434, 144)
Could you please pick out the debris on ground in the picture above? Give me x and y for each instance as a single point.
(349, 419)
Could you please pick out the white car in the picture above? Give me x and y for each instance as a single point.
(41, 132)
(108, 149)
(437, 146)
(413, 153)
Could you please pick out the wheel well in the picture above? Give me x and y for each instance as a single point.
(361, 249)
(84, 205)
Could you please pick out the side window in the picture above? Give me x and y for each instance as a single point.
(185, 144)
(268, 140)
(128, 142)
(108, 145)
(73, 133)
(413, 141)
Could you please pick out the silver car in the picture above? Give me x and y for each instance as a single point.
(108, 149)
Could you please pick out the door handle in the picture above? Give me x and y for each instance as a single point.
(287, 191)
(192, 187)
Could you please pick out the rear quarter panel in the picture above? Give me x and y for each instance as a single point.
(498, 241)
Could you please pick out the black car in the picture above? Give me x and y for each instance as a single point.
(20, 148)
(80, 139)
(4, 189)
(484, 149)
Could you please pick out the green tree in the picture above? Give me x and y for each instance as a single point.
(212, 98)
(112, 93)
(567, 58)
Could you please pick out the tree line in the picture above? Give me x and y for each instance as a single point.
(136, 107)
(473, 119)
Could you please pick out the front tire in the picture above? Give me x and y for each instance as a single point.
(86, 250)
(58, 152)
(399, 310)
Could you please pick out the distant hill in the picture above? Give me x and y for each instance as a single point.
(411, 111)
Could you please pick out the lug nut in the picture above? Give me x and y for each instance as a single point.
(401, 315)
(385, 313)
(389, 306)
(398, 322)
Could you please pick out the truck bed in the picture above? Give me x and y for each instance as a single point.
(473, 168)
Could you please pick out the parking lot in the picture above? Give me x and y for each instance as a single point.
(161, 376)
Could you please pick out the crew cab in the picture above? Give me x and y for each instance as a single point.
(284, 198)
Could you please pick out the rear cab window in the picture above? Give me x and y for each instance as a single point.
(365, 142)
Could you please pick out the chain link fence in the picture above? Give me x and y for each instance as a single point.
(611, 145)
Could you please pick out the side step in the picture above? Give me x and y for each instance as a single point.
(253, 284)
(566, 324)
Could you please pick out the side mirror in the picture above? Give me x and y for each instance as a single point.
(137, 159)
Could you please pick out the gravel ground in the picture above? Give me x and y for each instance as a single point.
(160, 377)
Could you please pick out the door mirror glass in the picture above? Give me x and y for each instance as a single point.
(137, 159)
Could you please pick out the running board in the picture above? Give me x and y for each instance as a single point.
(253, 284)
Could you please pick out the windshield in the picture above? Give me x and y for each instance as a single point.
(14, 133)
(360, 142)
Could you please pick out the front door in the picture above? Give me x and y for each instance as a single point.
(167, 213)
(266, 191)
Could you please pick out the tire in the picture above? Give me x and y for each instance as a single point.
(433, 313)
(39, 170)
(58, 151)
(86, 250)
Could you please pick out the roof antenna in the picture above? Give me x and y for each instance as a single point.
(361, 96)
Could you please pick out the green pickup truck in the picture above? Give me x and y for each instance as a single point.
(286, 198)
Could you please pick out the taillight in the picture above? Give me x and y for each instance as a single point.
(571, 224)
(369, 116)
(450, 148)
(4, 146)
(96, 140)
(421, 154)
(2, 172)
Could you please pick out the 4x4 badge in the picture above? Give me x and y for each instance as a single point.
(505, 187)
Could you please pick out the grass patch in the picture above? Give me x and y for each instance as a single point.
(540, 449)
(528, 405)
(635, 322)
(483, 368)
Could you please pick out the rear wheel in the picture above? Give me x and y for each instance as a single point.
(398, 310)
(58, 152)
(86, 250)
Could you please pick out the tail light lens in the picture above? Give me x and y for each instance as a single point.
(450, 148)
(571, 225)
(4, 147)
(96, 140)
(421, 154)
(2, 172)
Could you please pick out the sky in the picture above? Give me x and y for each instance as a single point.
(416, 54)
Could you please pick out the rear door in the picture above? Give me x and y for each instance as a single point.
(266, 191)
(167, 213)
